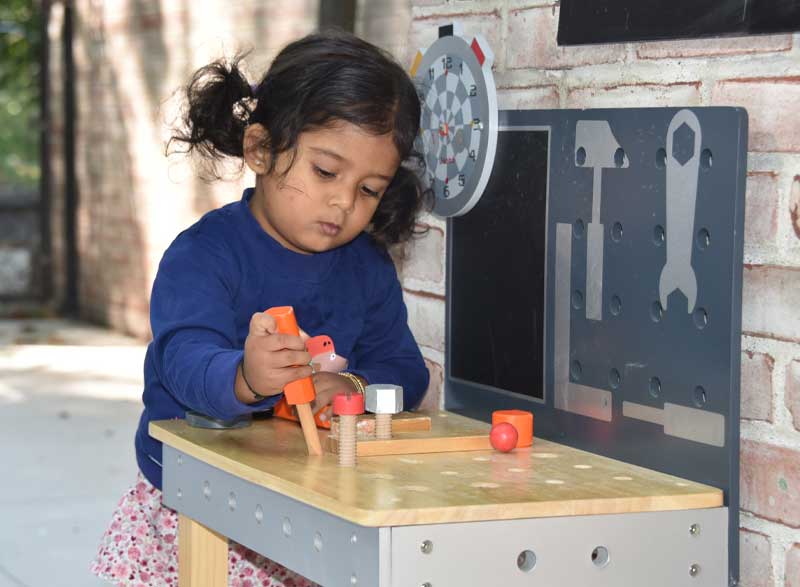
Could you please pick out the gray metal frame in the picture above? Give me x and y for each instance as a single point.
(695, 442)
(660, 549)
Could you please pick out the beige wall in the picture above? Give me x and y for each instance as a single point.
(131, 54)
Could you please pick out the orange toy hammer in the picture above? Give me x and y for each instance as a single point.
(299, 393)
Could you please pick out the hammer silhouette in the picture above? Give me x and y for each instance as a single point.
(596, 147)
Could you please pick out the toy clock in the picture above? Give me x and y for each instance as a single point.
(458, 129)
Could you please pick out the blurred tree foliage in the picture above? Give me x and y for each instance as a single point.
(20, 46)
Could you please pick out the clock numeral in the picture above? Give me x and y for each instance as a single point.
(461, 68)
(473, 91)
(472, 154)
(431, 73)
(447, 62)
(446, 190)
(461, 179)
(477, 124)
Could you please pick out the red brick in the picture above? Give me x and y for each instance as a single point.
(531, 42)
(794, 206)
(432, 397)
(770, 482)
(770, 301)
(714, 47)
(772, 106)
(757, 386)
(792, 389)
(755, 560)
(635, 96)
(535, 97)
(761, 213)
(424, 259)
(793, 566)
(425, 30)
(426, 318)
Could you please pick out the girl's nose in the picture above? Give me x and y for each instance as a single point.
(344, 199)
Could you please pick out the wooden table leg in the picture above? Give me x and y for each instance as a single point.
(202, 555)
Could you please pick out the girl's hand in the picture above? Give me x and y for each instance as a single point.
(327, 386)
(271, 359)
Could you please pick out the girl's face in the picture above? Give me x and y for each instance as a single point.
(330, 193)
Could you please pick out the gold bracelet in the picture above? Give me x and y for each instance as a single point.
(355, 379)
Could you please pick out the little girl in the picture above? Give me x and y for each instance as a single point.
(327, 132)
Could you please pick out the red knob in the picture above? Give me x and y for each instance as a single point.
(352, 404)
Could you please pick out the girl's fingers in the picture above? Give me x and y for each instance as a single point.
(263, 324)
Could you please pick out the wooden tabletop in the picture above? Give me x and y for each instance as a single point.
(545, 480)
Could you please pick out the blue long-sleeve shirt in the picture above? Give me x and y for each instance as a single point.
(218, 273)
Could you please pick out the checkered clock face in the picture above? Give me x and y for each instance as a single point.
(451, 135)
(457, 130)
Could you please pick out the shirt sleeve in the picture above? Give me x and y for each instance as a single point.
(386, 352)
(196, 352)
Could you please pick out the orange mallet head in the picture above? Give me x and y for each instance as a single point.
(300, 391)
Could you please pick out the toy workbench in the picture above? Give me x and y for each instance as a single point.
(595, 282)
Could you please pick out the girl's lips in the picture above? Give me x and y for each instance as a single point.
(329, 229)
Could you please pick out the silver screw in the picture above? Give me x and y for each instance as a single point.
(694, 529)
(426, 584)
(694, 570)
(426, 547)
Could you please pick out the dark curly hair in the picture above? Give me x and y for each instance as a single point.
(313, 83)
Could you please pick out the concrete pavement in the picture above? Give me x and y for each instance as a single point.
(70, 397)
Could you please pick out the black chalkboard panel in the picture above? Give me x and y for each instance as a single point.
(609, 21)
(498, 261)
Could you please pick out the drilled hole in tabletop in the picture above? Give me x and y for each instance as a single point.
(554, 482)
(516, 470)
(481, 459)
(622, 478)
(581, 466)
(484, 485)
(543, 455)
(600, 556)
(526, 560)
(450, 473)
(410, 461)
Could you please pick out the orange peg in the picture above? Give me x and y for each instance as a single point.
(521, 420)
(299, 393)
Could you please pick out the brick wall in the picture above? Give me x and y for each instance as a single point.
(761, 74)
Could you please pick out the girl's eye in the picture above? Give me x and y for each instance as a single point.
(369, 192)
(323, 173)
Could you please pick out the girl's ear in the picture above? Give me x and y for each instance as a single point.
(255, 153)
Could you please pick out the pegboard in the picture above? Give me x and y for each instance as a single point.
(597, 283)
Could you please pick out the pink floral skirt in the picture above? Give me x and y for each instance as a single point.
(140, 548)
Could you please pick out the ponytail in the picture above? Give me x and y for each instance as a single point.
(218, 104)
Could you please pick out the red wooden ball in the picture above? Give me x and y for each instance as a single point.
(503, 436)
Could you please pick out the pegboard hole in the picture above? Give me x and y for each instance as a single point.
(616, 232)
(614, 379)
(656, 311)
(577, 299)
(575, 370)
(661, 158)
(619, 157)
(703, 239)
(700, 318)
(655, 387)
(659, 235)
(600, 556)
(615, 305)
(526, 561)
(578, 228)
(179, 493)
(706, 159)
(700, 397)
(580, 156)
